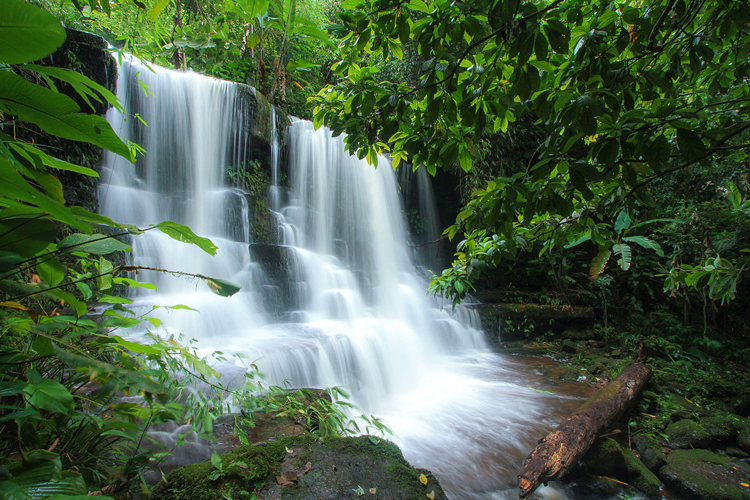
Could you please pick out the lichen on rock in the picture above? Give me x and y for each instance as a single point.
(303, 467)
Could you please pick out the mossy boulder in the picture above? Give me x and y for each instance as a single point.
(302, 467)
(743, 439)
(687, 434)
(704, 475)
(720, 428)
(607, 458)
(650, 450)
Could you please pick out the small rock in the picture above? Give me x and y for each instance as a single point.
(687, 434)
(704, 475)
(649, 447)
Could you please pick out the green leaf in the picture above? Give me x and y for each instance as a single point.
(223, 287)
(658, 153)
(84, 86)
(185, 234)
(49, 395)
(27, 33)
(644, 242)
(56, 114)
(51, 271)
(690, 144)
(623, 221)
(26, 236)
(157, 9)
(419, 6)
(623, 251)
(97, 244)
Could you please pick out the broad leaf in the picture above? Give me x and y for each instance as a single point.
(25, 236)
(27, 33)
(645, 243)
(185, 234)
(16, 188)
(97, 244)
(56, 114)
(49, 395)
(223, 287)
(598, 263)
(624, 252)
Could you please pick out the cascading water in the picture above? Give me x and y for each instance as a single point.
(349, 309)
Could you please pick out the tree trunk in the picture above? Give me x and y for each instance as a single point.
(562, 448)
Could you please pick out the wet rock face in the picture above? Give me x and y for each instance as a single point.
(301, 467)
(703, 475)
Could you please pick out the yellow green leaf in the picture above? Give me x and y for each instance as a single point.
(423, 479)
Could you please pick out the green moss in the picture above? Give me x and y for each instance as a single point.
(720, 427)
(258, 464)
(687, 434)
(706, 475)
(608, 458)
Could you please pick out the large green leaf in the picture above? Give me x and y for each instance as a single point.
(27, 33)
(56, 114)
(84, 86)
(49, 395)
(645, 243)
(98, 244)
(185, 234)
(15, 188)
(26, 236)
(41, 158)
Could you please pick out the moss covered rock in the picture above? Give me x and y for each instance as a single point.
(608, 458)
(650, 450)
(687, 434)
(703, 475)
(301, 467)
(743, 439)
(720, 428)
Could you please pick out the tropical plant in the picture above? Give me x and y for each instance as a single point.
(624, 93)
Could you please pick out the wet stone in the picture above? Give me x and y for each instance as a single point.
(704, 475)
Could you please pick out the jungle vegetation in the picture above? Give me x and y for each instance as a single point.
(602, 146)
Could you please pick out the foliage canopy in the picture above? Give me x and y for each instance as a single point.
(625, 93)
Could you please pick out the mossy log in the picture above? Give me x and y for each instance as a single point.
(562, 448)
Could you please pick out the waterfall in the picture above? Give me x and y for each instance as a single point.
(336, 300)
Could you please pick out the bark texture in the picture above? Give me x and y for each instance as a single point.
(562, 448)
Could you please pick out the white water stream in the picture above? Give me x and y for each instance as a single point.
(352, 310)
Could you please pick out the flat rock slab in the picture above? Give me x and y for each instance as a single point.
(703, 475)
(304, 468)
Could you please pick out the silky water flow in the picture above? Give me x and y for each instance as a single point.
(336, 300)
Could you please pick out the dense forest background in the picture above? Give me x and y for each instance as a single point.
(599, 150)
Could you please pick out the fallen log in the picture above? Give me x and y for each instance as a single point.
(562, 448)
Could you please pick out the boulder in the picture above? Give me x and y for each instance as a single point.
(720, 428)
(650, 450)
(302, 467)
(687, 434)
(743, 439)
(704, 475)
(607, 458)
